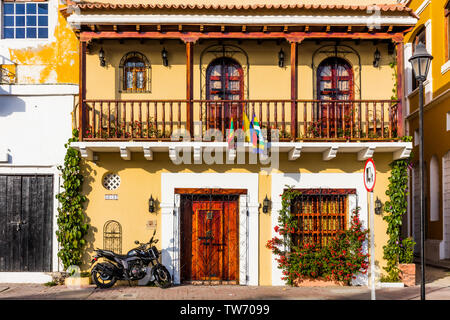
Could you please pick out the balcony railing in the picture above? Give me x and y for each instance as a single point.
(6, 76)
(155, 120)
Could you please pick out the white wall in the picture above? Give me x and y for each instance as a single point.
(35, 123)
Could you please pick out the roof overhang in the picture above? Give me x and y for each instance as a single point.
(104, 17)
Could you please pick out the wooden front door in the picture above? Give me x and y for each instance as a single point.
(335, 83)
(224, 84)
(210, 246)
(26, 210)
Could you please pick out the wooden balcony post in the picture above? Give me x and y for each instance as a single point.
(189, 86)
(400, 85)
(82, 91)
(294, 89)
(294, 86)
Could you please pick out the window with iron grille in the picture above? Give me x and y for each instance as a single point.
(320, 214)
(25, 20)
(112, 236)
(134, 73)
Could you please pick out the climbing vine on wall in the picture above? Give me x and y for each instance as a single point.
(396, 207)
(72, 227)
(393, 65)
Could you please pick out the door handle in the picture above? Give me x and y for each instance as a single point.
(18, 224)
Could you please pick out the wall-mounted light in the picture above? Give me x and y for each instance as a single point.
(151, 204)
(164, 57)
(378, 206)
(266, 205)
(376, 58)
(101, 57)
(281, 58)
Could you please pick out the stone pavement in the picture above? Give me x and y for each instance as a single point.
(437, 288)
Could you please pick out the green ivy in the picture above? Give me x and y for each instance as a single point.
(396, 207)
(393, 65)
(71, 221)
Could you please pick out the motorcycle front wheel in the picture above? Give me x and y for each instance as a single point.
(102, 280)
(162, 277)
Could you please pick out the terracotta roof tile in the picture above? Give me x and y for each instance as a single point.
(117, 6)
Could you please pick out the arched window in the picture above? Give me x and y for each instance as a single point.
(134, 73)
(420, 37)
(112, 236)
(434, 189)
(335, 82)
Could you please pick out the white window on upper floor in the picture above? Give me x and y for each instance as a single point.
(25, 20)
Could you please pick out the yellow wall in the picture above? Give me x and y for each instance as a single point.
(266, 79)
(141, 178)
(435, 111)
(52, 62)
(434, 12)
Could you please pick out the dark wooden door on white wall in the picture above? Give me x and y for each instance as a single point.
(26, 219)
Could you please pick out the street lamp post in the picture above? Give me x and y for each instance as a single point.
(420, 62)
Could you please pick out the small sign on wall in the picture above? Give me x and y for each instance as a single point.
(151, 225)
(111, 197)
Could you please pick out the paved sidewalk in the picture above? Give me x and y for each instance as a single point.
(437, 288)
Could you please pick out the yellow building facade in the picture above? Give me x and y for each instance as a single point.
(160, 86)
(432, 30)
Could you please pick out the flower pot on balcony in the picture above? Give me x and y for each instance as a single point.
(408, 273)
(316, 282)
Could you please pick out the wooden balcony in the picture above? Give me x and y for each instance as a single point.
(296, 120)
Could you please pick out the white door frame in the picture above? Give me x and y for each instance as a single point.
(248, 218)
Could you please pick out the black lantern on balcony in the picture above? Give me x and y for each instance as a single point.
(266, 205)
(151, 204)
(376, 58)
(101, 57)
(281, 58)
(164, 57)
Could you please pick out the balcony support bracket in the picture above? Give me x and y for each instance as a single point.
(330, 153)
(295, 153)
(148, 153)
(402, 153)
(366, 153)
(125, 153)
(86, 153)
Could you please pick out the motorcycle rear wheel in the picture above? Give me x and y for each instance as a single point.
(102, 280)
(162, 277)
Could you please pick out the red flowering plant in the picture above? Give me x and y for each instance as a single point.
(341, 259)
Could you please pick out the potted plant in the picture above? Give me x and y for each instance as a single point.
(406, 266)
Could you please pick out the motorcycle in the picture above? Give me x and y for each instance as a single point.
(132, 266)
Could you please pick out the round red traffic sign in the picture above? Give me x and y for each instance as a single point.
(369, 175)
